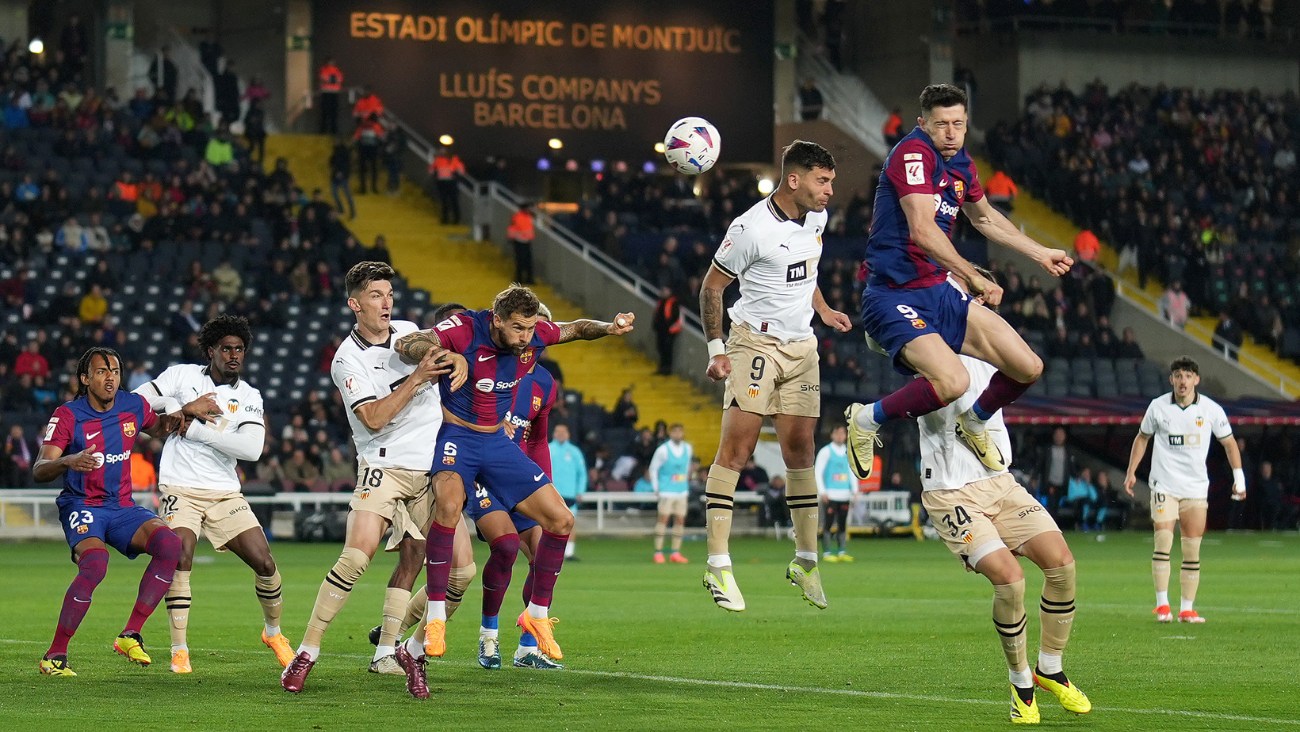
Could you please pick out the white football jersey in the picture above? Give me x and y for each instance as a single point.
(947, 464)
(1180, 442)
(775, 259)
(192, 464)
(365, 372)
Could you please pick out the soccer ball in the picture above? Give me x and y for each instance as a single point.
(692, 145)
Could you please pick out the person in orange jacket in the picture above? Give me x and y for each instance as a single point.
(330, 78)
(367, 106)
(521, 233)
(369, 138)
(1002, 191)
(667, 325)
(444, 169)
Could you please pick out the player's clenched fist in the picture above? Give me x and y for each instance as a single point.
(201, 409)
(719, 368)
(985, 290)
(622, 324)
(84, 461)
(1055, 261)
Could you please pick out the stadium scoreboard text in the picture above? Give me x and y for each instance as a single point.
(606, 78)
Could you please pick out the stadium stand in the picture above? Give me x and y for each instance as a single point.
(1197, 188)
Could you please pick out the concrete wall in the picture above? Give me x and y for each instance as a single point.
(888, 46)
(13, 21)
(853, 162)
(1120, 61)
(1008, 66)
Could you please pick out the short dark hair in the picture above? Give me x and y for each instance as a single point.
(363, 273)
(1184, 363)
(804, 155)
(87, 358)
(515, 300)
(942, 95)
(444, 311)
(221, 326)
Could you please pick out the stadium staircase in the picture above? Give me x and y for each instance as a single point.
(1040, 220)
(446, 261)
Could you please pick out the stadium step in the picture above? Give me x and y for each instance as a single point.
(1060, 231)
(445, 261)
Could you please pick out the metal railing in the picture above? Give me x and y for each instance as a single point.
(1019, 23)
(848, 102)
(1260, 370)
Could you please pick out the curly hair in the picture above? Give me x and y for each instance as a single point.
(87, 358)
(221, 326)
(1185, 363)
(515, 299)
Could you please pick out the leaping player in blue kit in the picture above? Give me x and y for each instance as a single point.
(88, 442)
(910, 310)
(500, 345)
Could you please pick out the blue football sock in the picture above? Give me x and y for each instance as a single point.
(878, 413)
(981, 412)
(489, 622)
(526, 640)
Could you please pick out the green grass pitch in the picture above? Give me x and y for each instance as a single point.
(907, 644)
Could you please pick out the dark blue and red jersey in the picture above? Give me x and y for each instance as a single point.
(76, 426)
(494, 374)
(915, 166)
(535, 396)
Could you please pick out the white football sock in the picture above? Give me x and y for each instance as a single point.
(1049, 663)
(719, 560)
(537, 611)
(313, 653)
(809, 556)
(381, 651)
(1187, 605)
(181, 647)
(1162, 598)
(1023, 678)
(866, 418)
(272, 631)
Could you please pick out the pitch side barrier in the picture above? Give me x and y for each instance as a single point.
(32, 514)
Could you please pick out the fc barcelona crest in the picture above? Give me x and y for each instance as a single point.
(537, 404)
(128, 429)
(528, 356)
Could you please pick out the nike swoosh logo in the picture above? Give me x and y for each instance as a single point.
(164, 579)
(437, 563)
(91, 435)
(539, 476)
(486, 358)
(78, 599)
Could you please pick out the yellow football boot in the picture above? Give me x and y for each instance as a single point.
(1068, 694)
(131, 645)
(57, 666)
(1023, 712)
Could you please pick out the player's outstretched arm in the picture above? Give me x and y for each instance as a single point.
(51, 463)
(995, 227)
(919, 209)
(1135, 459)
(590, 330)
(412, 347)
(245, 442)
(715, 282)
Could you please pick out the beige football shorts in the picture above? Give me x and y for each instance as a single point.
(672, 504)
(1165, 507)
(222, 515)
(769, 377)
(402, 497)
(994, 509)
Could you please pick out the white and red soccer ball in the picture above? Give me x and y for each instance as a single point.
(692, 145)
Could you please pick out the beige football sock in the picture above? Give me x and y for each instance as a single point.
(1009, 619)
(333, 594)
(178, 607)
(1160, 559)
(1190, 576)
(457, 583)
(660, 531)
(679, 530)
(414, 610)
(268, 594)
(396, 601)
(1056, 610)
(720, 493)
(801, 499)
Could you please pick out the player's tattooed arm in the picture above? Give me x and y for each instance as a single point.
(412, 347)
(590, 330)
(715, 281)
